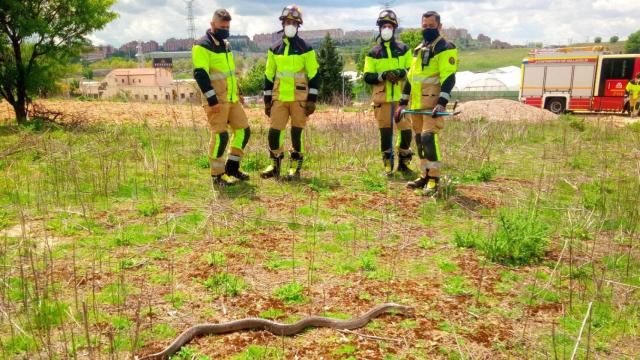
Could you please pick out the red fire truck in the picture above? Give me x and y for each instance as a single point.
(577, 79)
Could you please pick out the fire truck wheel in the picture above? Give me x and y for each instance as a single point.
(556, 105)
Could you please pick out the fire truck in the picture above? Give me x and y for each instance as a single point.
(577, 79)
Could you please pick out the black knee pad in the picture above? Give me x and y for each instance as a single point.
(421, 153)
(296, 138)
(247, 135)
(274, 139)
(429, 145)
(405, 139)
(221, 144)
(386, 141)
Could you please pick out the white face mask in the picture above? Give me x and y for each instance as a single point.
(386, 34)
(290, 31)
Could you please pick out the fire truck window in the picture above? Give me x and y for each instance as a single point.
(616, 69)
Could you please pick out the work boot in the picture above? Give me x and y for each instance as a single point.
(273, 170)
(294, 167)
(404, 164)
(432, 186)
(388, 165)
(223, 180)
(232, 168)
(418, 183)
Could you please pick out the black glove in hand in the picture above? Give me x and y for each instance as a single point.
(400, 74)
(390, 76)
(267, 109)
(438, 109)
(309, 108)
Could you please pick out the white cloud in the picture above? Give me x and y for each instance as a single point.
(550, 21)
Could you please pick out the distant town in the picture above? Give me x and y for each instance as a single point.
(260, 42)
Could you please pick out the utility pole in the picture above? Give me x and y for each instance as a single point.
(140, 55)
(191, 27)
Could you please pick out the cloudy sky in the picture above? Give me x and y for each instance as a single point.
(515, 21)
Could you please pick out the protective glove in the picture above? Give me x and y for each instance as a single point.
(400, 74)
(398, 114)
(267, 109)
(439, 108)
(309, 108)
(390, 76)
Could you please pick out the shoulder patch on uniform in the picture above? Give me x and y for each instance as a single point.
(278, 45)
(205, 42)
(452, 60)
(302, 45)
(375, 52)
(402, 47)
(443, 45)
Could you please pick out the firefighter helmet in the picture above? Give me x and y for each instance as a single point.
(292, 12)
(387, 17)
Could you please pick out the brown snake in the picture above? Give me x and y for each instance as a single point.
(276, 328)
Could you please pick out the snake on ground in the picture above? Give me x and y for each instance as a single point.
(276, 328)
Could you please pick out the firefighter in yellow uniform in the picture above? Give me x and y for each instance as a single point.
(214, 71)
(632, 95)
(428, 87)
(290, 92)
(385, 68)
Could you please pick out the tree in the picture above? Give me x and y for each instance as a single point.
(633, 43)
(252, 82)
(331, 66)
(411, 37)
(37, 40)
(597, 40)
(614, 39)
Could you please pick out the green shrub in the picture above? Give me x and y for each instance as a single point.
(574, 122)
(465, 240)
(225, 284)
(148, 209)
(215, 258)
(519, 239)
(292, 293)
(486, 172)
(203, 162)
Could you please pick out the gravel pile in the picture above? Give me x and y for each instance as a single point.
(503, 110)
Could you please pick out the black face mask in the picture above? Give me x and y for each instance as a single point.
(221, 34)
(430, 34)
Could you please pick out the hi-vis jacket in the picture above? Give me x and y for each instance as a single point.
(386, 56)
(633, 89)
(432, 75)
(291, 72)
(214, 70)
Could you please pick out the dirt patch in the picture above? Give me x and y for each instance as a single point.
(503, 110)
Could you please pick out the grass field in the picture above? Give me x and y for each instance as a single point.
(489, 59)
(112, 242)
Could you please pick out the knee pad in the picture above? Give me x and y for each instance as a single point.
(274, 139)
(405, 139)
(386, 142)
(430, 146)
(296, 139)
(222, 140)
